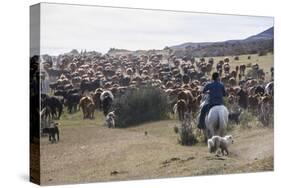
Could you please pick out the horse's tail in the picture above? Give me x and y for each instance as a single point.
(222, 122)
(218, 122)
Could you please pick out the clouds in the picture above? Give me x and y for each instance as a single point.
(65, 27)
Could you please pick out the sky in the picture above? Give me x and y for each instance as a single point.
(67, 27)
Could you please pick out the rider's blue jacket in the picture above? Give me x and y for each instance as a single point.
(216, 92)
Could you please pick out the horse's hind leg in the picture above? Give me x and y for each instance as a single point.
(222, 132)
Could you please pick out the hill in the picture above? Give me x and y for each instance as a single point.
(254, 44)
(265, 35)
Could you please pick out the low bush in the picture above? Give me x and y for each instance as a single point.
(186, 136)
(247, 119)
(262, 53)
(236, 58)
(140, 105)
(252, 73)
(186, 132)
(266, 115)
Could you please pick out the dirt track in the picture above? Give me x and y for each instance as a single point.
(96, 153)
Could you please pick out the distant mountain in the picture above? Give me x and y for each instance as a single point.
(192, 45)
(265, 35)
(253, 44)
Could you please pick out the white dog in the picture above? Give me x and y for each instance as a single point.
(110, 119)
(218, 142)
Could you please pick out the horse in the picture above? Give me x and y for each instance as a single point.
(216, 120)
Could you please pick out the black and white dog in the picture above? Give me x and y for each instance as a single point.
(52, 131)
(217, 142)
(110, 119)
(235, 116)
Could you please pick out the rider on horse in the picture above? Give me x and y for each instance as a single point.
(216, 93)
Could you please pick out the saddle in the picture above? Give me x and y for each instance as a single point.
(210, 107)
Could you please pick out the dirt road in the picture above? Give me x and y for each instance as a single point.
(95, 153)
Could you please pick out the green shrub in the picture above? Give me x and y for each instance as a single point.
(252, 73)
(236, 58)
(140, 105)
(265, 116)
(262, 53)
(176, 129)
(186, 136)
(186, 132)
(247, 119)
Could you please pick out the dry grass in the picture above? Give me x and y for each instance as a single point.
(265, 62)
(90, 152)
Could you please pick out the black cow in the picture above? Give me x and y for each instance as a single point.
(72, 91)
(89, 85)
(243, 99)
(185, 78)
(259, 90)
(60, 93)
(106, 98)
(125, 81)
(72, 101)
(106, 104)
(55, 104)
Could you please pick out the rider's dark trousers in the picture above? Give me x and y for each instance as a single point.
(203, 113)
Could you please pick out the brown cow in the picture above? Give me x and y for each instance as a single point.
(96, 98)
(231, 99)
(84, 101)
(233, 74)
(180, 108)
(185, 95)
(209, 68)
(253, 103)
(90, 110)
(242, 69)
(232, 81)
(226, 68)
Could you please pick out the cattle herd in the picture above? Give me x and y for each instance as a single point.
(91, 81)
